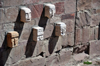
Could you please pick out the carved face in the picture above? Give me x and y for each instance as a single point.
(38, 33)
(12, 39)
(25, 14)
(60, 29)
(28, 16)
(49, 10)
(63, 30)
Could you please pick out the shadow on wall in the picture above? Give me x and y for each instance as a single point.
(99, 32)
(30, 47)
(43, 20)
(18, 25)
(4, 50)
(53, 42)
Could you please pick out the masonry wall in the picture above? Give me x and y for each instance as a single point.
(81, 18)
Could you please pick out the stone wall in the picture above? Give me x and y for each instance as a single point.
(81, 17)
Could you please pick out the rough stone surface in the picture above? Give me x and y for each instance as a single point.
(80, 56)
(82, 19)
(78, 36)
(94, 47)
(36, 10)
(85, 34)
(59, 8)
(70, 6)
(11, 14)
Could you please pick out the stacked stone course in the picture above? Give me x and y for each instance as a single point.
(82, 19)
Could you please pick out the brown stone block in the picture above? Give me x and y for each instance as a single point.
(12, 39)
(68, 16)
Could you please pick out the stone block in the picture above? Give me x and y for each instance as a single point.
(46, 48)
(68, 16)
(65, 56)
(36, 10)
(70, 25)
(94, 48)
(95, 20)
(82, 5)
(52, 60)
(97, 11)
(36, 61)
(11, 14)
(30, 1)
(46, 0)
(83, 19)
(64, 41)
(25, 34)
(12, 2)
(59, 7)
(2, 15)
(70, 39)
(70, 6)
(48, 31)
(95, 4)
(78, 38)
(91, 34)
(96, 31)
(85, 34)
(80, 56)
(55, 19)
(8, 27)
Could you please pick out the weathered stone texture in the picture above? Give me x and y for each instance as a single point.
(11, 14)
(36, 10)
(94, 48)
(82, 5)
(36, 61)
(48, 31)
(70, 6)
(59, 7)
(78, 36)
(85, 34)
